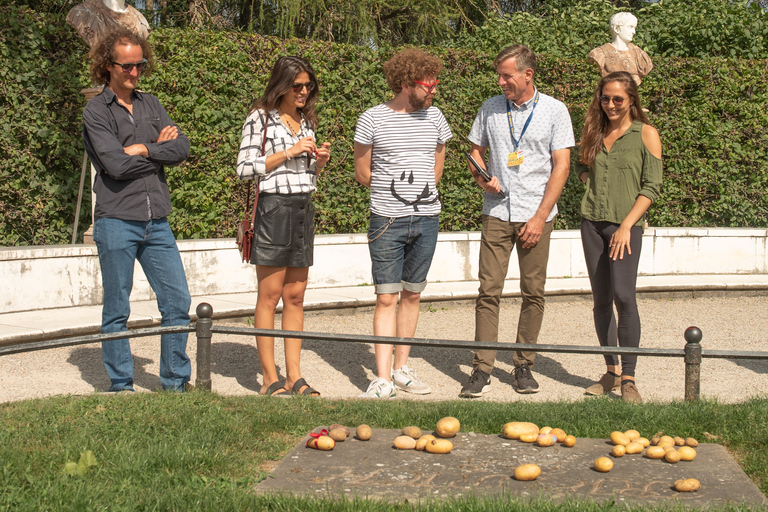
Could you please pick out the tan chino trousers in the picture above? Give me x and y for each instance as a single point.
(498, 239)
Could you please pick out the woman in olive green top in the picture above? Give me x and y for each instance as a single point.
(620, 161)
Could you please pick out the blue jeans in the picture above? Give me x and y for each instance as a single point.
(401, 251)
(120, 243)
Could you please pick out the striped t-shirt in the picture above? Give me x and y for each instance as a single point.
(403, 159)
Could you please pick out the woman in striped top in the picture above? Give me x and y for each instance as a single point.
(278, 148)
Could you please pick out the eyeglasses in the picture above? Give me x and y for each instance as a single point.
(430, 87)
(298, 87)
(127, 68)
(617, 100)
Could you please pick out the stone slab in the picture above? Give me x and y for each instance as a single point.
(484, 465)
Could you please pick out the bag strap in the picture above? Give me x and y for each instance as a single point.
(256, 181)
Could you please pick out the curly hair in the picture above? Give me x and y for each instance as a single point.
(103, 53)
(283, 75)
(597, 121)
(410, 65)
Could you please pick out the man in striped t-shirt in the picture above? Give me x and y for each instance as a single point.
(399, 155)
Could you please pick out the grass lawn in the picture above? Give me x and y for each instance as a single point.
(201, 451)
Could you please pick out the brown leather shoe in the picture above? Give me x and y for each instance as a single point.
(630, 394)
(606, 384)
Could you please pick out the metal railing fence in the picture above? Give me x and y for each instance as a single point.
(204, 329)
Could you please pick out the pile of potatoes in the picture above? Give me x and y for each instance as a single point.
(659, 447)
(527, 432)
(411, 438)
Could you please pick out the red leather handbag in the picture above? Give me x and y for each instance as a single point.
(244, 237)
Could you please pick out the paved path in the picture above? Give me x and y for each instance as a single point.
(731, 321)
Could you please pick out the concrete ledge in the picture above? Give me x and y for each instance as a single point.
(22, 327)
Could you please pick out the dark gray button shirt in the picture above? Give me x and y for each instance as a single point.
(130, 187)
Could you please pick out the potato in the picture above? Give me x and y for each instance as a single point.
(693, 443)
(687, 453)
(619, 438)
(447, 427)
(655, 452)
(632, 434)
(668, 439)
(363, 432)
(666, 444)
(514, 429)
(603, 464)
(527, 472)
(559, 433)
(619, 450)
(643, 441)
(679, 441)
(405, 443)
(546, 440)
(689, 485)
(324, 443)
(655, 440)
(421, 443)
(569, 441)
(672, 456)
(414, 432)
(439, 446)
(545, 430)
(337, 435)
(529, 437)
(342, 427)
(634, 448)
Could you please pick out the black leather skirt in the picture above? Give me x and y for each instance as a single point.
(284, 233)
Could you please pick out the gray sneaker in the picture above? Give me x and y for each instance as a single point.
(405, 378)
(380, 388)
(524, 381)
(479, 384)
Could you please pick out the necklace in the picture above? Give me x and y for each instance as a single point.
(289, 122)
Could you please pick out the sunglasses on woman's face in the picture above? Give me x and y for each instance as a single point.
(297, 88)
(617, 100)
(127, 68)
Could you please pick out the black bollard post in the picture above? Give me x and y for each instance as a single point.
(693, 337)
(203, 331)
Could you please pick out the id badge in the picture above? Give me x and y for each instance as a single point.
(515, 158)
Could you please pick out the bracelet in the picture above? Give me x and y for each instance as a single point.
(286, 155)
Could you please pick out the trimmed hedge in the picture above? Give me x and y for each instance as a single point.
(711, 114)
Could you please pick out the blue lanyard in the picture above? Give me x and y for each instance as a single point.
(525, 126)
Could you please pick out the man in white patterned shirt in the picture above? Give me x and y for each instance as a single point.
(529, 135)
(399, 155)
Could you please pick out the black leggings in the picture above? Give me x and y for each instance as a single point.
(613, 282)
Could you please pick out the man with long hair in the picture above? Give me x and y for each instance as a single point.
(130, 139)
(529, 135)
(399, 155)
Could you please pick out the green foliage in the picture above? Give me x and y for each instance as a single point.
(711, 115)
(675, 28)
(40, 143)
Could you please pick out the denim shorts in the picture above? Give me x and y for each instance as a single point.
(401, 251)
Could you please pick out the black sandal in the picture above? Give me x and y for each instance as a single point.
(272, 389)
(308, 390)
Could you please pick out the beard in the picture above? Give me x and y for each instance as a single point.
(419, 103)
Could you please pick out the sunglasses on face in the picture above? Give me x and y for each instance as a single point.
(617, 100)
(297, 88)
(430, 87)
(127, 68)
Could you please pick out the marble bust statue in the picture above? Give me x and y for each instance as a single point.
(620, 54)
(93, 19)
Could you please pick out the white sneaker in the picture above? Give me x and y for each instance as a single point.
(406, 379)
(379, 388)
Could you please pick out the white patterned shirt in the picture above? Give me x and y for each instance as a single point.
(550, 129)
(403, 158)
(294, 176)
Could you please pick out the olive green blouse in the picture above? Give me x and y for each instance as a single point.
(619, 176)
